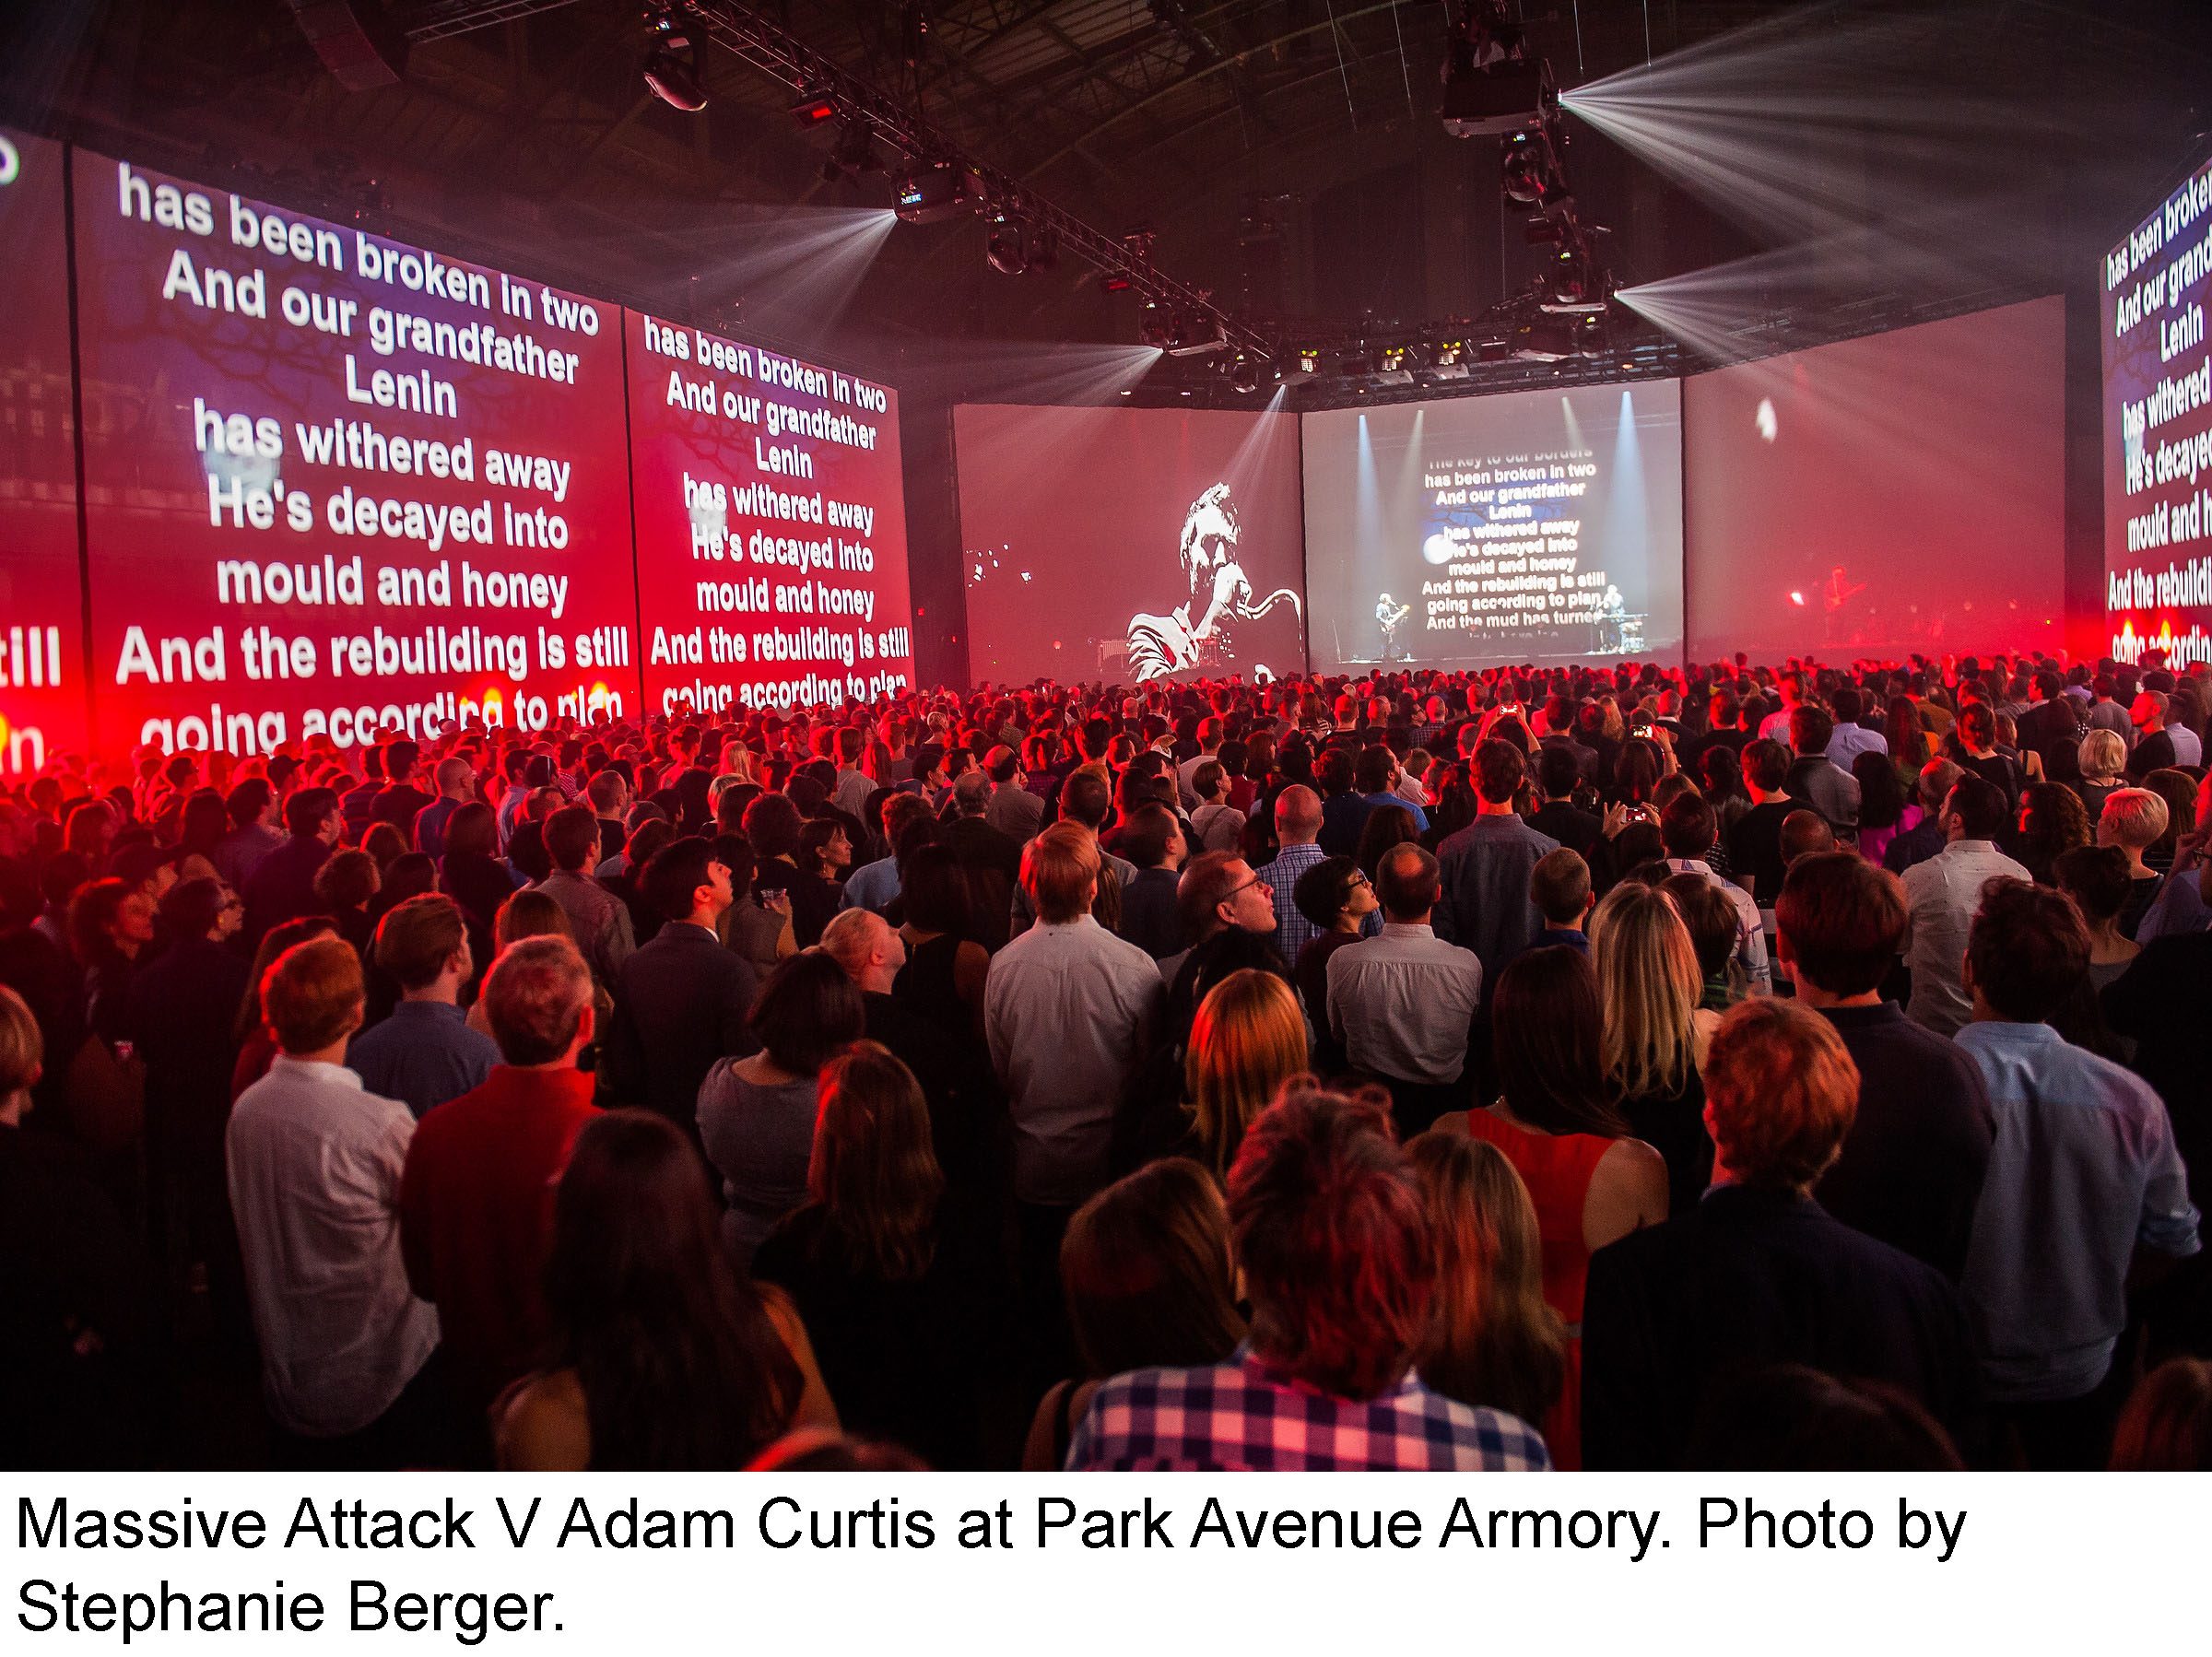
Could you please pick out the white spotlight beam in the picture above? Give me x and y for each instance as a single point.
(1823, 119)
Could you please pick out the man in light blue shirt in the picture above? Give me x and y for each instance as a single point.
(875, 886)
(1851, 739)
(2083, 1175)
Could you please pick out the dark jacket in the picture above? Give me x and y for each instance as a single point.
(2054, 730)
(1916, 845)
(1912, 1167)
(1150, 917)
(680, 1003)
(1486, 906)
(1748, 1278)
(283, 888)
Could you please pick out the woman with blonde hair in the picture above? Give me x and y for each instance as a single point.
(1650, 984)
(1493, 1342)
(2134, 819)
(2103, 758)
(1247, 1040)
(894, 1321)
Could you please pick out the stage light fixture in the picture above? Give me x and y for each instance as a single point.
(1491, 85)
(1113, 283)
(1531, 172)
(1244, 373)
(1589, 334)
(931, 190)
(1042, 249)
(1309, 361)
(1192, 334)
(1391, 359)
(1006, 245)
(1548, 227)
(1573, 286)
(854, 154)
(1547, 340)
(672, 68)
(814, 109)
(1449, 352)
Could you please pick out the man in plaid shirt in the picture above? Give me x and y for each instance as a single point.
(1332, 1237)
(1297, 827)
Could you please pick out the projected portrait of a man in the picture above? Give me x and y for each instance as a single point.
(1220, 595)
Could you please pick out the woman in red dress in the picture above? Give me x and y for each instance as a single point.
(1555, 1121)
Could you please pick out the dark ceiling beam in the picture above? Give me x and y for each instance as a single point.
(1269, 44)
(443, 20)
(757, 40)
(567, 80)
(1019, 18)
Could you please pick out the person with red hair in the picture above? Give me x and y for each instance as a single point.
(1331, 1233)
(1757, 1274)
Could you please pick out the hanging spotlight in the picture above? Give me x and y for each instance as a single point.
(855, 152)
(931, 191)
(814, 109)
(1006, 245)
(1194, 333)
(672, 66)
(1531, 172)
(1491, 85)
(1244, 375)
(1547, 340)
(1154, 326)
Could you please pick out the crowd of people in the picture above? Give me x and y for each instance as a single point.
(1617, 1067)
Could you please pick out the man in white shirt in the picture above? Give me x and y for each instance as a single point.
(1402, 1003)
(1210, 747)
(314, 1163)
(1944, 895)
(1069, 1011)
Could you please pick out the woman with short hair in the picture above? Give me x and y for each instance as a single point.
(2134, 821)
(757, 1114)
(2103, 757)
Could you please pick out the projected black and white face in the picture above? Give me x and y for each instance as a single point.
(1199, 633)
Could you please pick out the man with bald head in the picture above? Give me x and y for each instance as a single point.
(1297, 828)
(954, 1077)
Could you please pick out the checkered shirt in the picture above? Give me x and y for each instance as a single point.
(1248, 1415)
(1293, 931)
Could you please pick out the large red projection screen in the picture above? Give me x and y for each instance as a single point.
(2158, 430)
(1896, 493)
(771, 527)
(336, 485)
(41, 609)
(1130, 544)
